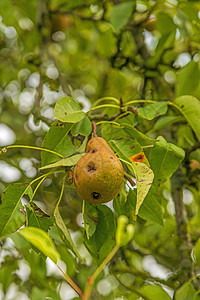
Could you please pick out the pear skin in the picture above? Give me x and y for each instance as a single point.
(98, 175)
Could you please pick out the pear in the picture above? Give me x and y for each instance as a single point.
(98, 175)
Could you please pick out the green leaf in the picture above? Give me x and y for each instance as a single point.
(11, 210)
(90, 217)
(65, 162)
(112, 132)
(125, 147)
(154, 291)
(195, 155)
(39, 238)
(45, 293)
(121, 206)
(57, 139)
(141, 138)
(185, 137)
(103, 239)
(164, 160)
(188, 79)
(165, 121)
(165, 23)
(186, 292)
(65, 231)
(68, 259)
(83, 127)
(120, 14)
(144, 178)
(152, 111)
(68, 110)
(150, 209)
(191, 12)
(7, 273)
(197, 251)
(33, 219)
(190, 108)
(38, 210)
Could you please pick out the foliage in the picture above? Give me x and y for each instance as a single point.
(128, 71)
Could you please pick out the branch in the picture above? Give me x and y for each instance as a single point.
(185, 245)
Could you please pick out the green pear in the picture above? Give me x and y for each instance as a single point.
(98, 175)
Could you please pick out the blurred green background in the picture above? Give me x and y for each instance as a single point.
(86, 49)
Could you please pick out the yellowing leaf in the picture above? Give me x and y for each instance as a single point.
(144, 178)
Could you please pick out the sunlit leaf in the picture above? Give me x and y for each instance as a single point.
(68, 110)
(42, 241)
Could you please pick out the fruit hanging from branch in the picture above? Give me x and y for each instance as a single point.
(98, 175)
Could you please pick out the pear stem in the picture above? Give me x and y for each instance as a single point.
(94, 129)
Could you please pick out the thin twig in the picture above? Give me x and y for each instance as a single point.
(71, 282)
(92, 278)
(132, 182)
(94, 129)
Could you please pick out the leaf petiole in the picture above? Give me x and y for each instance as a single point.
(4, 150)
(103, 106)
(110, 122)
(105, 98)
